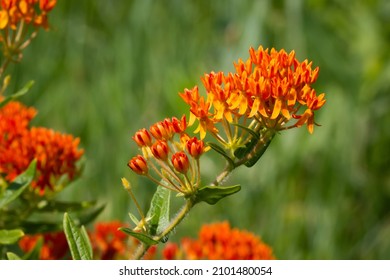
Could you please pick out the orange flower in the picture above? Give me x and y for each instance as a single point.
(55, 246)
(199, 109)
(109, 243)
(221, 242)
(269, 89)
(28, 11)
(56, 153)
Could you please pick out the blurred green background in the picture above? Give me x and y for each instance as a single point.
(108, 68)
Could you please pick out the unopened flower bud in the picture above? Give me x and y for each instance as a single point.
(139, 165)
(142, 138)
(162, 130)
(180, 162)
(160, 150)
(195, 147)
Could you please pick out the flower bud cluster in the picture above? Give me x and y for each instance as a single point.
(170, 153)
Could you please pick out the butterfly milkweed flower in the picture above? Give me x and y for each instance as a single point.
(218, 241)
(57, 154)
(270, 91)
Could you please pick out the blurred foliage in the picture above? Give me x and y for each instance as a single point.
(108, 68)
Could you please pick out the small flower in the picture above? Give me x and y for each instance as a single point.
(179, 126)
(180, 162)
(139, 165)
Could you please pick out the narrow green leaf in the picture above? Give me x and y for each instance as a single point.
(76, 241)
(10, 236)
(86, 240)
(18, 185)
(221, 151)
(18, 94)
(146, 239)
(212, 194)
(12, 256)
(159, 210)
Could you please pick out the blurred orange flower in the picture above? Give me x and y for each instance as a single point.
(109, 243)
(28, 11)
(55, 246)
(219, 241)
(56, 153)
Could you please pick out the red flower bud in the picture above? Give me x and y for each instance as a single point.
(195, 147)
(180, 162)
(160, 150)
(142, 138)
(139, 165)
(162, 130)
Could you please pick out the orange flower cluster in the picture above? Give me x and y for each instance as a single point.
(219, 241)
(56, 153)
(269, 89)
(109, 243)
(176, 162)
(27, 11)
(55, 246)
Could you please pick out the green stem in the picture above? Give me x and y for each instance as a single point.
(143, 248)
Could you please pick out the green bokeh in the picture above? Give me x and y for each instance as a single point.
(108, 68)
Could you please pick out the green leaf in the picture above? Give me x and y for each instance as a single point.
(10, 236)
(146, 239)
(221, 151)
(18, 185)
(12, 256)
(159, 211)
(78, 242)
(18, 94)
(212, 194)
(86, 240)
